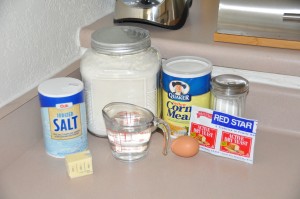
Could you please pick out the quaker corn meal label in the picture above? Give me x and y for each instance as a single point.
(223, 134)
(185, 82)
(63, 116)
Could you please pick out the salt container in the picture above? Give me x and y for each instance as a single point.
(228, 94)
(63, 114)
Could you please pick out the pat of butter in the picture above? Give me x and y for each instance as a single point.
(79, 164)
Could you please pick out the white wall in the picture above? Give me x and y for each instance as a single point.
(39, 38)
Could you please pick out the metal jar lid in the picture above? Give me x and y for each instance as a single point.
(229, 84)
(120, 40)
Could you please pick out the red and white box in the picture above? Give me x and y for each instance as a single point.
(222, 134)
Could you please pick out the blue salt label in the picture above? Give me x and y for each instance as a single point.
(64, 124)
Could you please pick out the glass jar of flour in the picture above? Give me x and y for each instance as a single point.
(121, 66)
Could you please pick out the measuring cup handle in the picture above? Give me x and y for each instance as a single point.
(166, 130)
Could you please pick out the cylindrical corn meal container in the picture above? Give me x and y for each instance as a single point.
(185, 82)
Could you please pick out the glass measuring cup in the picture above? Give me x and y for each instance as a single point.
(129, 128)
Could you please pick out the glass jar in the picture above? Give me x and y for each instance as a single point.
(121, 66)
(228, 94)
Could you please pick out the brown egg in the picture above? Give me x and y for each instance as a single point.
(185, 146)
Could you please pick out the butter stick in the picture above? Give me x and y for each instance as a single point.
(79, 164)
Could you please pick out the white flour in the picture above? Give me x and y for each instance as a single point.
(128, 78)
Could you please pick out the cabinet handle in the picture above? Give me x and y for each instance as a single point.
(293, 17)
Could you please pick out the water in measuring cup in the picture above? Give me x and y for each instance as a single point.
(129, 145)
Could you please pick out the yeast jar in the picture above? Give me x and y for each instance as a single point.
(121, 66)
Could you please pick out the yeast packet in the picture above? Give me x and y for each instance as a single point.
(222, 134)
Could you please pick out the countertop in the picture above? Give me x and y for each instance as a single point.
(26, 171)
(274, 174)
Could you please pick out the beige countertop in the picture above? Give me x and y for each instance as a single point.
(275, 174)
(26, 171)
